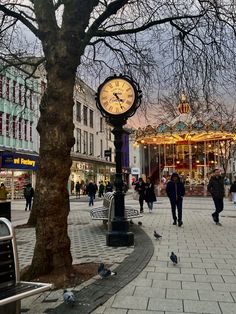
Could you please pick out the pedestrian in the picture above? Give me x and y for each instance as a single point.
(28, 194)
(232, 190)
(150, 196)
(175, 191)
(226, 186)
(101, 189)
(109, 187)
(77, 190)
(216, 189)
(91, 190)
(3, 192)
(140, 188)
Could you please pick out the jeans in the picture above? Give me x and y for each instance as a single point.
(150, 205)
(28, 202)
(141, 199)
(177, 203)
(91, 198)
(219, 205)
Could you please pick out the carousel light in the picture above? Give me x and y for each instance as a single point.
(212, 162)
(197, 161)
(154, 139)
(215, 162)
(209, 145)
(142, 141)
(145, 146)
(155, 147)
(177, 161)
(195, 146)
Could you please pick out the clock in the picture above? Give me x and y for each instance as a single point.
(118, 96)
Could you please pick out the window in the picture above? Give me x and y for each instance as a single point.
(101, 148)
(20, 95)
(14, 92)
(78, 111)
(1, 123)
(25, 130)
(78, 140)
(20, 128)
(85, 115)
(91, 144)
(91, 118)
(30, 132)
(101, 124)
(7, 124)
(31, 99)
(1, 86)
(14, 126)
(7, 89)
(85, 142)
(109, 134)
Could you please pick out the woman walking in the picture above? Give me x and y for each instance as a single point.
(150, 196)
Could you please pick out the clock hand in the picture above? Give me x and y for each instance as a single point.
(120, 100)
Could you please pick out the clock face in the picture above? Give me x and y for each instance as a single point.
(117, 96)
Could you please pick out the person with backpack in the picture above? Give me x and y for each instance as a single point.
(77, 190)
(28, 194)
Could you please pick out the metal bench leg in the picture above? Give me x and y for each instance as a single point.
(11, 308)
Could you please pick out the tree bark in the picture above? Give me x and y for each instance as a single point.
(51, 201)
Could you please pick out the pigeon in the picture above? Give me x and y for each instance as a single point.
(140, 223)
(156, 235)
(68, 297)
(104, 272)
(174, 258)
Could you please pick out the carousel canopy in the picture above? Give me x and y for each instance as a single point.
(186, 127)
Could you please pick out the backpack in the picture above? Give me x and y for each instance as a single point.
(27, 191)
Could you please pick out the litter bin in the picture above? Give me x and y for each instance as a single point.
(5, 209)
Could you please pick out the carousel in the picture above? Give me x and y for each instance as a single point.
(186, 145)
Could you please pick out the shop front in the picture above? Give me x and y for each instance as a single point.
(16, 171)
(83, 171)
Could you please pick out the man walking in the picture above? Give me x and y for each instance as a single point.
(216, 189)
(28, 194)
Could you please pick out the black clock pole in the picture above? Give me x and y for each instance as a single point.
(119, 234)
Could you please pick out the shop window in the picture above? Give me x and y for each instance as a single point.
(1, 123)
(7, 124)
(14, 92)
(30, 132)
(14, 126)
(85, 115)
(78, 111)
(91, 118)
(91, 144)
(78, 140)
(20, 128)
(7, 89)
(1, 86)
(25, 130)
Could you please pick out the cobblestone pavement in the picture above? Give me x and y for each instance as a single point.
(204, 280)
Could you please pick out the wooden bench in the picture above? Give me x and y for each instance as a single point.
(106, 212)
(12, 290)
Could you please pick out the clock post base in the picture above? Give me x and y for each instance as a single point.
(116, 238)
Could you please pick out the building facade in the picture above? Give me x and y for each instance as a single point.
(19, 141)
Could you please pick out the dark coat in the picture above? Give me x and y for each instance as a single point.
(175, 190)
(91, 189)
(233, 187)
(140, 188)
(150, 193)
(216, 187)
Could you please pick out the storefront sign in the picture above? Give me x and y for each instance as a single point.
(18, 161)
(135, 171)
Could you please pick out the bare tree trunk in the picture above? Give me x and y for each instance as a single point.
(51, 202)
